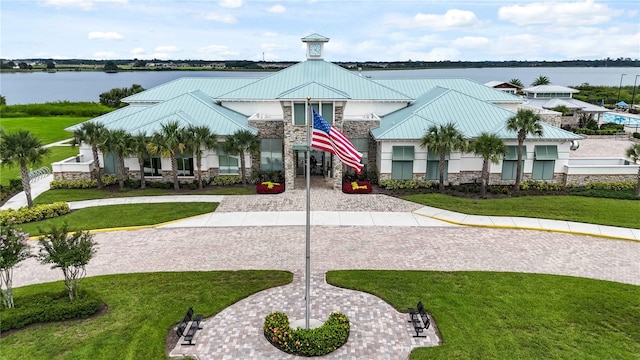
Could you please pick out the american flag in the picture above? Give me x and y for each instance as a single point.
(328, 138)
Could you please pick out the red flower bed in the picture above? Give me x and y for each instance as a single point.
(357, 187)
(268, 187)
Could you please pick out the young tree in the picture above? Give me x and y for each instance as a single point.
(490, 147)
(13, 250)
(524, 123)
(92, 134)
(443, 139)
(23, 149)
(633, 153)
(111, 66)
(541, 80)
(242, 142)
(118, 142)
(138, 147)
(168, 142)
(70, 253)
(200, 138)
(516, 82)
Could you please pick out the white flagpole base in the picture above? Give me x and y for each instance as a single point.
(300, 324)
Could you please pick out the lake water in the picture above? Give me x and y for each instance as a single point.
(39, 87)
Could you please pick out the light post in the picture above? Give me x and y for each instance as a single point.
(634, 93)
(620, 86)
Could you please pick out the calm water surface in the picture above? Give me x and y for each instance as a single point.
(39, 87)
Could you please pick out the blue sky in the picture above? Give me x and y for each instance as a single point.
(359, 30)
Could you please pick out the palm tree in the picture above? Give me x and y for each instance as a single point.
(541, 80)
(525, 122)
(168, 142)
(118, 142)
(201, 138)
(443, 139)
(23, 149)
(490, 147)
(242, 142)
(633, 153)
(138, 146)
(92, 134)
(516, 82)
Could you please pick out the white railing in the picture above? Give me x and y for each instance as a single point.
(39, 173)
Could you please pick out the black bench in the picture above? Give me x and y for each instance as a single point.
(419, 319)
(194, 325)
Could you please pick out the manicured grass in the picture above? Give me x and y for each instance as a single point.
(47, 129)
(484, 315)
(92, 194)
(142, 309)
(113, 216)
(56, 153)
(625, 213)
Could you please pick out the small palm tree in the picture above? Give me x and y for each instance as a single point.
(118, 142)
(242, 142)
(516, 82)
(201, 138)
(541, 80)
(525, 122)
(168, 142)
(92, 134)
(633, 153)
(138, 146)
(443, 139)
(23, 149)
(490, 147)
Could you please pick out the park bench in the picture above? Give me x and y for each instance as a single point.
(191, 325)
(419, 319)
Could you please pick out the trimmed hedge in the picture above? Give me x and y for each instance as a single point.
(35, 213)
(223, 180)
(83, 183)
(48, 307)
(307, 342)
(406, 184)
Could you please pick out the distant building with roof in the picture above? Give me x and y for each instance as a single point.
(548, 98)
(503, 86)
(384, 119)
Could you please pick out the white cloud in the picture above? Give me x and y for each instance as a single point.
(559, 13)
(111, 35)
(471, 42)
(137, 51)
(269, 34)
(226, 19)
(217, 51)
(105, 55)
(167, 48)
(277, 9)
(230, 3)
(272, 47)
(452, 19)
(80, 4)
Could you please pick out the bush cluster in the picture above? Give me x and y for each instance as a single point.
(406, 184)
(636, 135)
(48, 307)
(15, 185)
(595, 132)
(59, 108)
(35, 213)
(307, 342)
(83, 183)
(370, 176)
(541, 186)
(260, 176)
(223, 180)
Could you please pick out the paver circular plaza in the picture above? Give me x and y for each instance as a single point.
(339, 247)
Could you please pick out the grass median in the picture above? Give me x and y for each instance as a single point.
(142, 309)
(116, 216)
(613, 212)
(485, 315)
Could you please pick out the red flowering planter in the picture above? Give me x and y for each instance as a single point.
(268, 187)
(357, 187)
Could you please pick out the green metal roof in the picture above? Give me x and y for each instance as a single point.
(317, 76)
(417, 87)
(208, 85)
(439, 106)
(315, 37)
(193, 108)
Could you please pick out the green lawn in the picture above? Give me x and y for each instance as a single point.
(483, 315)
(48, 129)
(142, 309)
(625, 213)
(91, 194)
(56, 153)
(113, 216)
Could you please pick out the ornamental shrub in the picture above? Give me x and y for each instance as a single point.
(83, 183)
(224, 180)
(13, 250)
(307, 342)
(405, 184)
(48, 307)
(35, 213)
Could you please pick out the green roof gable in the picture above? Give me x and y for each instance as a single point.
(417, 87)
(212, 86)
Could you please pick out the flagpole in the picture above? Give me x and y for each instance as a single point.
(308, 227)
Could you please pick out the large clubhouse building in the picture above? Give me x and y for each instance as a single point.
(384, 119)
